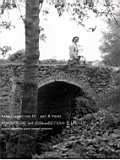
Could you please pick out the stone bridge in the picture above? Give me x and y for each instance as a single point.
(58, 85)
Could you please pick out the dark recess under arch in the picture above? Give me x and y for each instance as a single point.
(57, 97)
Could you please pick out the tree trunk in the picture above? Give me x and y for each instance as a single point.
(30, 87)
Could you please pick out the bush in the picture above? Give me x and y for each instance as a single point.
(20, 146)
(111, 100)
(18, 56)
(93, 136)
(116, 77)
(84, 106)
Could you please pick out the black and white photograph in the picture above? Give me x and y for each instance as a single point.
(59, 79)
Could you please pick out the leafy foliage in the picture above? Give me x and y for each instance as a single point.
(84, 106)
(93, 136)
(111, 100)
(8, 4)
(110, 97)
(6, 24)
(110, 46)
(80, 10)
(4, 50)
(18, 56)
(20, 146)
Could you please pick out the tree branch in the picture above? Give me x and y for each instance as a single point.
(112, 15)
(20, 12)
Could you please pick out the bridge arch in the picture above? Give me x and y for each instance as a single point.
(83, 85)
(51, 92)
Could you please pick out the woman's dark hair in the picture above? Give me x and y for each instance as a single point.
(75, 39)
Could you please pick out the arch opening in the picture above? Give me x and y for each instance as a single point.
(57, 97)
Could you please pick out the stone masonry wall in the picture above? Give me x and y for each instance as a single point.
(11, 80)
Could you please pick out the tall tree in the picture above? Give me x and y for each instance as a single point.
(30, 90)
(111, 43)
